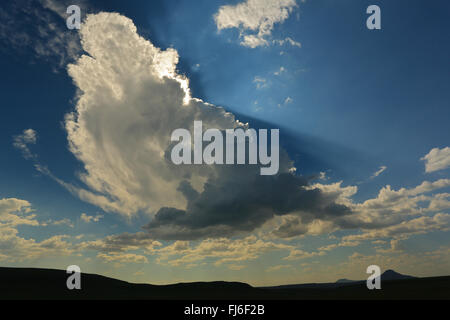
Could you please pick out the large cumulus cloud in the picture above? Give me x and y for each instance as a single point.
(130, 100)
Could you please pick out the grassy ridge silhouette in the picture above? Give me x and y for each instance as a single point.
(30, 283)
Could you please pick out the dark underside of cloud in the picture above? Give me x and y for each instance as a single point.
(241, 205)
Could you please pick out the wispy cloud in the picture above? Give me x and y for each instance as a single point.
(260, 82)
(22, 142)
(286, 101)
(122, 258)
(288, 40)
(49, 39)
(280, 71)
(278, 267)
(378, 172)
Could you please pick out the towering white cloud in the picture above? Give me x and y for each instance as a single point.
(131, 99)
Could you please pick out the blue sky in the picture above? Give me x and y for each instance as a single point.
(348, 101)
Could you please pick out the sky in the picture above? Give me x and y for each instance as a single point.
(363, 117)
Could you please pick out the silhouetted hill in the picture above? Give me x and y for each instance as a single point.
(345, 281)
(27, 283)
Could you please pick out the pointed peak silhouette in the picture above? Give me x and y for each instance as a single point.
(393, 275)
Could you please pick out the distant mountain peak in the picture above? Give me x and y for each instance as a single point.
(394, 275)
(386, 275)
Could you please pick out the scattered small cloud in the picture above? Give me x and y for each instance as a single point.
(255, 20)
(286, 101)
(289, 41)
(62, 222)
(437, 159)
(88, 219)
(256, 106)
(323, 175)
(260, 82)
(122, 258)
(298, 254)
(22, 142)
(279, 71)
